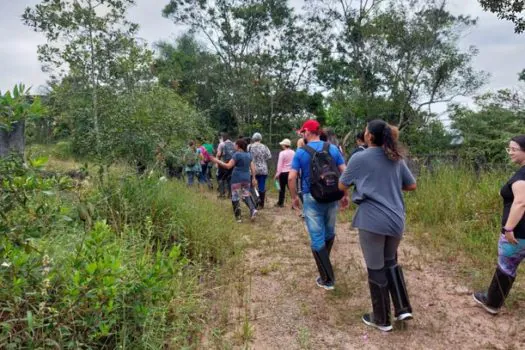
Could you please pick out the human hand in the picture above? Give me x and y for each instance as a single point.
(254, 182)
(344, 202)
(509, 235)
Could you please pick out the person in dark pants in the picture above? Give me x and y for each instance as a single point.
(225, 153)
(243, 177)
(511, 245)
(379, 175)
(284, 165)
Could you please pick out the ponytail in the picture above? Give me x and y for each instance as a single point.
(385, 136)
(390, 145)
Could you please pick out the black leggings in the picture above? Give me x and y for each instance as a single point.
(283, 184)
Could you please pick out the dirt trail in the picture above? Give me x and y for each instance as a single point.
(288, 311)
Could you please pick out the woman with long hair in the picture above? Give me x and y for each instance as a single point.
(243, 171)
(379, 175)
(511, 245)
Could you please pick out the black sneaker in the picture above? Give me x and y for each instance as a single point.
(481, 299)
(369, 321)
(320, 283)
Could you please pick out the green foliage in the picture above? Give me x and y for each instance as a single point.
(16, 105)
(129, 283)
(30, 206)
(455, 209)
(487, 130)
(510, 10)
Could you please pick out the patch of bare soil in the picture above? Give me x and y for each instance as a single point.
(284, 309)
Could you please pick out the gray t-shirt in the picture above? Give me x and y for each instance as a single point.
(378, 183)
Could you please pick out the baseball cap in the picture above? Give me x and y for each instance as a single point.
(310, 125)
(286, 142)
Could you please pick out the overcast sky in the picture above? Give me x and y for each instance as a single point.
(500, 50)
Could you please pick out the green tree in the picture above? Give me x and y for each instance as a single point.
(487, 130)
(510, 10)
(405, 54)
(16, 108)
(93, 42)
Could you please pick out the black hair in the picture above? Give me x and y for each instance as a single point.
(520, 140)
(225, 136)
(191, 143)
(382, 136)
(360, 136)
(241, 144)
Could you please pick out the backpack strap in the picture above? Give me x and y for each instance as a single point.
(310, 150)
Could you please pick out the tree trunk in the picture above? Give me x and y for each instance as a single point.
(13, 141)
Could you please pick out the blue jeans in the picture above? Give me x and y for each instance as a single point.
(320, 220)
(261, 182)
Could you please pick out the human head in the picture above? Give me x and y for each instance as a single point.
(286, 143)
(257, 137)
(241, 145)
(311, 130)
(191, 144)
(300, 143)
(379, 133)
(224, 136)
(516, 149)
(360, 138)
(330, 135)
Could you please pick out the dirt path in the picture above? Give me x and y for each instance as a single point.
(288, 311)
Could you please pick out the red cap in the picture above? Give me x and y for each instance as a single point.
(310, 125)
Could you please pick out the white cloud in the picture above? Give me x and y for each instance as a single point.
(500, 49)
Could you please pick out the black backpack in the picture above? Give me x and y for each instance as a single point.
(228, 150)
(324, 175)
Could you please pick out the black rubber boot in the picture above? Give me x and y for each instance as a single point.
(251, 205)
(380, 317)
(237, 210)
(262, 198)
(326, 272)
(329, 244)
(398, 291)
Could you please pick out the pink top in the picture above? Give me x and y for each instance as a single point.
(284, 164)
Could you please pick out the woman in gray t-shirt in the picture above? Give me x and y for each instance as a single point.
(379, 175)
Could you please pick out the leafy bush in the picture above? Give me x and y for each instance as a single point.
(130, 282)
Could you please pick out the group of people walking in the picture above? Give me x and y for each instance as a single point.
(319, 180)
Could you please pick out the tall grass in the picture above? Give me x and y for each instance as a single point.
(458, 212)
(134, 276)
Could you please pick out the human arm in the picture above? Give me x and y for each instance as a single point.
(222, 164)
(344, 202)
(292, 181)
(252, 170)
(516, 210)
(279, 165)
(408, 180)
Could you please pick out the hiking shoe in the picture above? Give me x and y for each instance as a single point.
(405, 316)
(320, 283)
(369, 321)
(481, 299)
(254, 214)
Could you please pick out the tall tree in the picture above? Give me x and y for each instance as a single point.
(405, 53)
(92, 41)
(260, 45)
(510, 10)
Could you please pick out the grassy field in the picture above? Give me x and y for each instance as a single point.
(113, 261)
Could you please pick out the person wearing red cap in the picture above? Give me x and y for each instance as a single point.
(320, 216)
